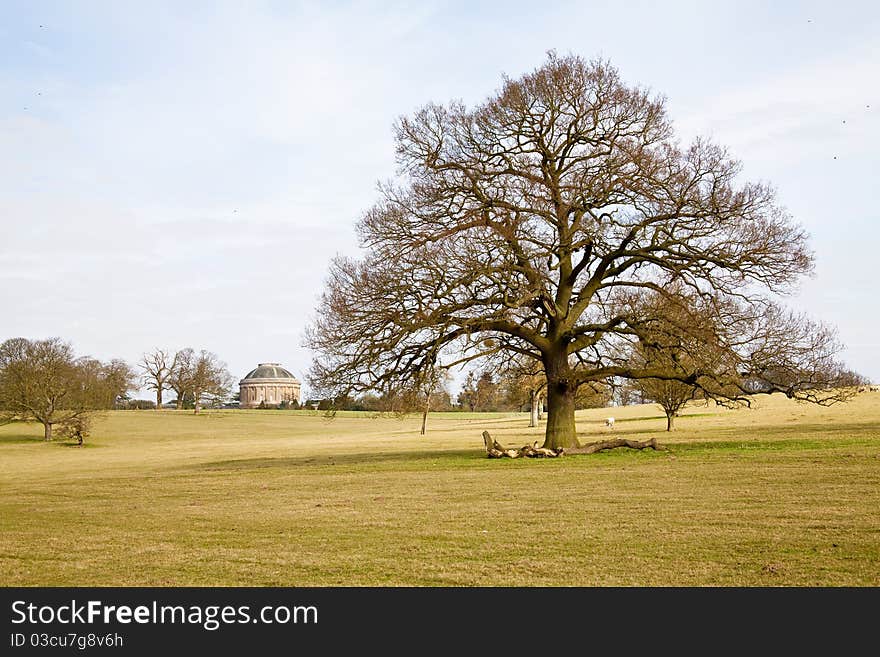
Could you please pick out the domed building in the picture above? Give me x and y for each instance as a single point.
(269, 383)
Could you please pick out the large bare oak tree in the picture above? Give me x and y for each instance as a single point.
(534, 224)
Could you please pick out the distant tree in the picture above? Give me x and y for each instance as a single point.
(333, 404)
(157, 367)
(626, 392)
(370, 402)
(180, 377)
(467, 398)
(428, 392)
(288, 400)
(595, 394)
(681, 339)
(487, 392)
(522, 381)
(209, 380)
(672, 396)
(480, 391)
(112, 380)
(42, 381)
(140, 404)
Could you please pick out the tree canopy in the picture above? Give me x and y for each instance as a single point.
(43, 381)
(198, 377)
(541, 223)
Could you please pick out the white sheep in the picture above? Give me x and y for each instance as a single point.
(609, 422)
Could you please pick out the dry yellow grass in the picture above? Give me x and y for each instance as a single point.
(782, 495)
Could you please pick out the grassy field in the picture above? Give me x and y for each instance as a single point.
(780, 495)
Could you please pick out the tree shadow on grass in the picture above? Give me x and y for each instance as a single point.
(773, 438)
(785, 438)
(415, 459)
(25, 439)
(352, 458)
(20, 439)
(830, 430)
(747, 446)
(86, 445)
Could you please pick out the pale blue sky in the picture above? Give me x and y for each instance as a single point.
(177, 174)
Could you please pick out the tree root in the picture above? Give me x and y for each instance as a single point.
(495, 450)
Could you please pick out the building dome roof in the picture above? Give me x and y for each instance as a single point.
(269, 371)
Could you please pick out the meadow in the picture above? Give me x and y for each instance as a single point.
(782, 494)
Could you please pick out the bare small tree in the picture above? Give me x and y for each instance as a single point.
(428, 391)
(530, 225)
(671, 396)
(157, 367)
(680, 336)
(425, 393)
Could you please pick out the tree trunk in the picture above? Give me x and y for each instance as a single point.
(540, 408)
(424, 420)
(197, 406)
(670, 421)
(535, 399)
(47, 430)
(561, 431)
(614, 443)
(159, 399)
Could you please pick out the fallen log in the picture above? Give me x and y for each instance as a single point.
(592, 448)
(495, 450)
